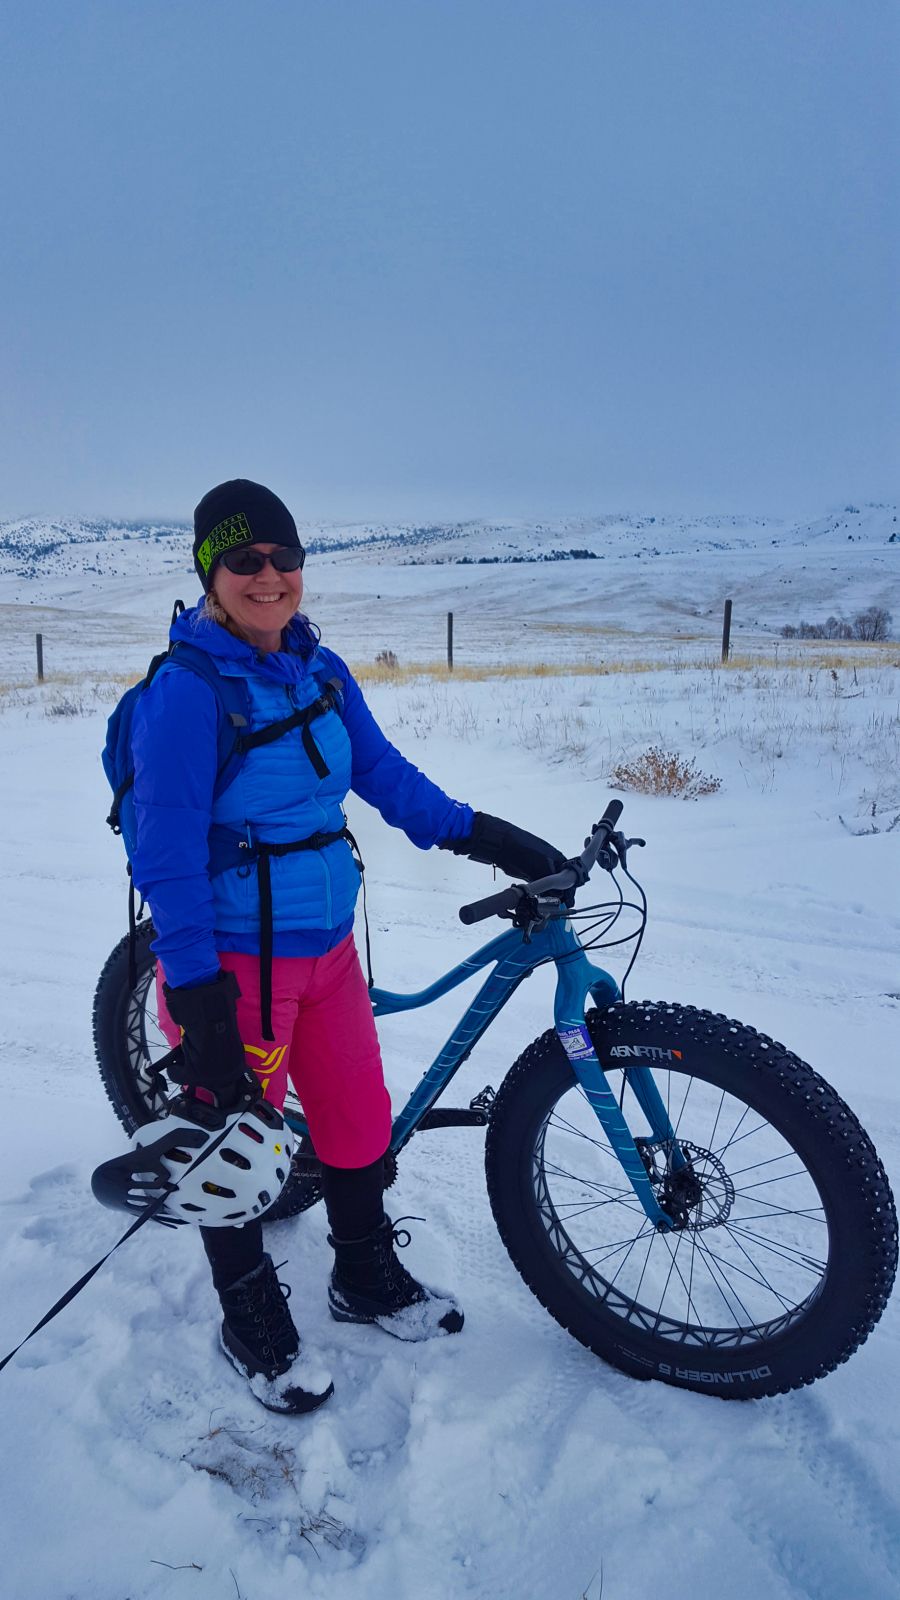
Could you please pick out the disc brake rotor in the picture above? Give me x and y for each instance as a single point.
(698, 1195)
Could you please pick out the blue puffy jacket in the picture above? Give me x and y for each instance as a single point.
(277, 796)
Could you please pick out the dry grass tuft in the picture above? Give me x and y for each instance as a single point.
(815, 658)
(659, 771)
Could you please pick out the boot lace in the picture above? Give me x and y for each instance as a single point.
(264, 1303)
(400, 1283)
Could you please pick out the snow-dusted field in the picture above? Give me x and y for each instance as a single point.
(508, 1462)
(644, 586)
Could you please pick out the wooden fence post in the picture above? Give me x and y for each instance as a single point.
(726, 631)
(449, 641)
(39, 641)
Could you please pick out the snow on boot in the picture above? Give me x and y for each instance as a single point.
(259, 1338)
(369, 1284)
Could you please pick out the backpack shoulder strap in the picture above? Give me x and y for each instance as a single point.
(331, 689)
(233, 697)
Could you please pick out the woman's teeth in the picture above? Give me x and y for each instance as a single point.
(263, 599)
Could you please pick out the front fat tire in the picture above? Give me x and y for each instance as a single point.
(806, 1112)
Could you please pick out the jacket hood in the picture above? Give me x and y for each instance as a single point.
(282, 666)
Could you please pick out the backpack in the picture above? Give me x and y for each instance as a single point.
(233, 696)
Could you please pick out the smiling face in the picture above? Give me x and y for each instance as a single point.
(261, 605)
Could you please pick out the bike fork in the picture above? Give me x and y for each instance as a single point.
(575, 981)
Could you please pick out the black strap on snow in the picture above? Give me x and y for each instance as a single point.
(85, 1279)
(146, 1216)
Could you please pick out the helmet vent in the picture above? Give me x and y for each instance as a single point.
(235, 1159)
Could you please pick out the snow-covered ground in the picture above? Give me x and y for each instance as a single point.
(509, 1461)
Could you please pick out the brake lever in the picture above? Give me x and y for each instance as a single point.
(527, 917)
(622, 847)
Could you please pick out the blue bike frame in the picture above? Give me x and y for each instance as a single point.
(578, 979)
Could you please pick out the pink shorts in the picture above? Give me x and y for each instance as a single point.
(325, 1042)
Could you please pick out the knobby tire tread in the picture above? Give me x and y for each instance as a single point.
(778, 1076)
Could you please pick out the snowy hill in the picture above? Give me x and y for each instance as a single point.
(575, 589)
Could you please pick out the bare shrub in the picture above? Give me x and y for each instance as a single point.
(873, 624)
(67, 706)
(387, 659)
(659, 771)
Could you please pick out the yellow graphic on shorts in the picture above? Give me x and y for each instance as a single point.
(269, 1062)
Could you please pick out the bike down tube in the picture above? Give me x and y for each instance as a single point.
(575, 981)
(506, 948)
(514, 961)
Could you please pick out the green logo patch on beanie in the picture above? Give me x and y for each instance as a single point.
(234, 530)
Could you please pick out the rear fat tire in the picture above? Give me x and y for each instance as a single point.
(805, 1111)
(121, 1023)
(127, 1039)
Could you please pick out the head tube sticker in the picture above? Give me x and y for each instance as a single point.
(234, 530)
(576, 1042)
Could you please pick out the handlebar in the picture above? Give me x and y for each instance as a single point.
(571, 876)
(493, 905)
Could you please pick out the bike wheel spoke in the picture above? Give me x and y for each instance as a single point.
(716, 1273)
(787, 1252)
(641, 1235)
(592, 1183)
(690, 1085)
(811, 1213)
(762, 1279)
(583, 1210)
(764, 1182)
(745, 1260)
(673, 1268)
(739, 1139)
(560, 1122)
(786, 1155)
(612, 1249)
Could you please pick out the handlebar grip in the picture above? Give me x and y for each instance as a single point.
(491, 906)
(612, 813)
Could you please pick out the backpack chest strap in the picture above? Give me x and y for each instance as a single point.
(298, 719)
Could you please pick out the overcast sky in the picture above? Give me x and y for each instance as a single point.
(448, 257)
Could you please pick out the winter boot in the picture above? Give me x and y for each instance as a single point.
(369, 1284)
(259, 1338)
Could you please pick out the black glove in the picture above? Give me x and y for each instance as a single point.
(211, 1047)
(501, 844)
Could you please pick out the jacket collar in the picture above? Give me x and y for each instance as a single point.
(287, 665)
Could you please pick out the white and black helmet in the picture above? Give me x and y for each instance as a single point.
(215, 1168)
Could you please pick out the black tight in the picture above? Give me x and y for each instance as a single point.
(353, 1202)
(353, 1198)
(232, 1252)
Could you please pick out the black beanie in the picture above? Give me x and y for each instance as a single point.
(237, 513)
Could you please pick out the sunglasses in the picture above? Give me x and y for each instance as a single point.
(248, 561)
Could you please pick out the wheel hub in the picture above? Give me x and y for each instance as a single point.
(697, 1195)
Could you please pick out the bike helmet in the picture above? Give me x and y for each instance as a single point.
(213, 1167)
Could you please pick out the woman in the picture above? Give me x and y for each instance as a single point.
(252, 889)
